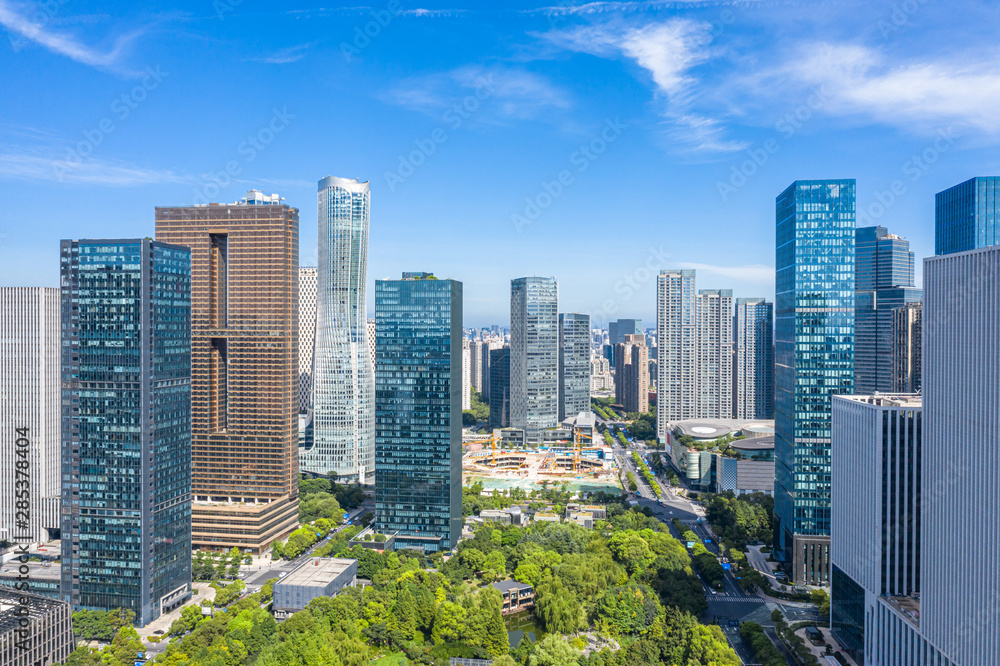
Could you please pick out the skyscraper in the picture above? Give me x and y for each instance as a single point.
(753, 367)
(883, 282)
(418, 441)
(906, 348)
(814, 289)
(307, 336)
(617, 330)
(126, 425)
(715, 353)
(500, 387)
(29, 404)
(466, 375)
(574, 364)
(534, 355)
(677, 348)
(632, 374)
(967, 216)
(344, 383)
(244, 367)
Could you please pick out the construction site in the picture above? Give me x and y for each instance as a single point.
(575, 460)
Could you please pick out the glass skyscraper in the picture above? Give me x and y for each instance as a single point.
(574, 364)
(500, 387)
(883, 282)
(814, 360)
(534, 355)
(967, 216)
(343, 376)
(126, 425)
(418, 418)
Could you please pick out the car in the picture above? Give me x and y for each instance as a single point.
(713, 592)
(158, 631)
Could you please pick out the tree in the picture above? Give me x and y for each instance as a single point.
(404, 614)
(448, 621)
(189, 619)
(553, 650)
(495, 566)
(527, 573)
(124, 648)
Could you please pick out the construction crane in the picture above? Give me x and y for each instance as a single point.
(578, 435)
(492, 439)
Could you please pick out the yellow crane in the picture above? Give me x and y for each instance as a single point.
(578, 435)
(492, 439)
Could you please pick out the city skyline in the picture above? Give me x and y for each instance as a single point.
(101, 130)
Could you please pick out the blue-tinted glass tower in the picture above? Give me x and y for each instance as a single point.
(883, 282)
(967, 216)
(814, 360)
(418, 414)
(574, 364)
(534, 355)
(126, 425)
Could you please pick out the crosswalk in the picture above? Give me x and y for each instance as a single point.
(730, 597)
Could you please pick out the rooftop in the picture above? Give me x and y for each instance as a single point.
(754, 443)
(905, 400)
(507, 585)
(318, 571)
(10, 607)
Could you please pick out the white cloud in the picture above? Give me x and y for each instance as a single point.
(35, 167)
(63, 44)
(284, 56)
(921, 95)
(755, 273)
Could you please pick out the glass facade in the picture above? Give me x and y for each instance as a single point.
(500, 387)
(967, 216)
(418, 418)
(534, 355)
(847, 613)
(814, 359)
(126, 412)
(343, 377)
(574, 364)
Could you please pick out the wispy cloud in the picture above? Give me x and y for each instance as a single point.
(756, 273)
(64, 44)
(284, 56)
(28, 166)
(919, 95)
(513, 93)
(667, 51)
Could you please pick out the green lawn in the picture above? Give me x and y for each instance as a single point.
(397, 659)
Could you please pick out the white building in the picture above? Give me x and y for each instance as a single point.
(715, 353)
(371, 339)
(466, 374)
(677, 348)
(307, 335)
(753, 359)
(30, 399)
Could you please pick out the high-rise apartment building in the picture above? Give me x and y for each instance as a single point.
(500, 387)
(906, 348)
(715, 353)
(344, 379)
(307, 335)
(534, 355)
(814, 360)
(753, 359)
(29, 410)
(574, 364)
(877, 466)
(418, 442)
(244, 367)
(477, 364)
(126, 425)
(883, 282)
(677, 348)
(967, 216)
(617, 330)
(632, 374)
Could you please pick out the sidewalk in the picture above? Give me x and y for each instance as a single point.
(819, 651)
(163, 622)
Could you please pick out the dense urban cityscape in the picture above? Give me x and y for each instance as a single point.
(217, 453)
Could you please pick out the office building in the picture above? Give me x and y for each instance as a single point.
(632, 374)
(500, 388)
(960, 496)
(307, 336)
(29, 410)
(418, 417)
(906, 348)
(753, 359)
(967, 216)
(617, 330)
(677, 348)
(34, 630)
(343, 384)
(875, 524)
(126, 425)
(715, 353)
(574, 364)
(371, 340)
(244, 367)
(883, 282)
(316, 577)
(814, 301)
(534, 355)
(466, 375)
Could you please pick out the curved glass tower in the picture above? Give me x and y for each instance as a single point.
(343, 376)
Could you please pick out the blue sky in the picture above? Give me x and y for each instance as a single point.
(596, 142)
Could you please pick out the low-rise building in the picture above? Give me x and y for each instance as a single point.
(43, 577)
(583, 519)
(546, 518)
(318, 577)
(34, 630)
(495, 516)
(372, 540)
(516, 596)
